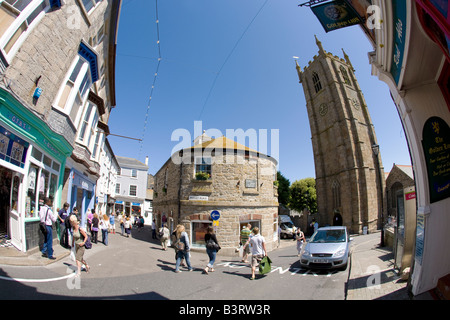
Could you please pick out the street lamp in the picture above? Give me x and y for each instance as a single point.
(376, 152)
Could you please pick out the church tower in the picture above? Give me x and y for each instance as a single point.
(349, 173)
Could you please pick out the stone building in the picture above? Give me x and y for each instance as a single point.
(348, 167)
(218, 175)
(57, 89)
(399, 178)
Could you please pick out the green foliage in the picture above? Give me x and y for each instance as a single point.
(284, 193)
(202, 176)
(303, 195)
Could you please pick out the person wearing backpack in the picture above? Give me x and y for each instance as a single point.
(182, 248)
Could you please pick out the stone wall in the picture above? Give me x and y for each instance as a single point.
(241, 188)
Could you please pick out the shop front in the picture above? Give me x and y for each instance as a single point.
(32, 159)
(81, 193)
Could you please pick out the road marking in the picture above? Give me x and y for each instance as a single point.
(38, 280)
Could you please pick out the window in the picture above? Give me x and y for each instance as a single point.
(133, 191)
(42, 181)
(90, 4)
(203, 165)
(117, 188)
(345, 75)
(316, 82)
(336, 189)
(199, 229)
(16, 21)
(74, 92)
(134, 173)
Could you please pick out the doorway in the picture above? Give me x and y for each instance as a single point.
(5, 200)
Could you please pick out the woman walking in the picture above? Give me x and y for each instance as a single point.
(212, 246)
(182, 248)
(78, 240)
(164, 236)
(127, 225)
(104, 226)
(94, 228)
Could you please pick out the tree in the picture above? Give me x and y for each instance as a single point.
(284, 193)
(303, 195)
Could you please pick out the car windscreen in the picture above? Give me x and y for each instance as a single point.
(328, 236)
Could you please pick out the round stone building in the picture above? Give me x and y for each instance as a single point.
(218, 175)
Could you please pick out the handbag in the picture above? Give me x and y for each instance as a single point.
(88, 243)
(265, 265)
(212, 245)
(43, 225)
(179, 245)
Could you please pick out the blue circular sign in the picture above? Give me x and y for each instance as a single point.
(215, 215)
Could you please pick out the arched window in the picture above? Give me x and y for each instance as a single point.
(345, 75)
(316, 82)
(336, 189)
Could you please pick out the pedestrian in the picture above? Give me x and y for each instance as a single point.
(63, 233)
(69, 226)
(245, 235)
(94, 228)
(112, 223)
(127, 225)
(154, 229)
(90, 216)
(258, 249)
(212, 247)
(47, 217)
(300, 237)
(79, 239)
(164, 234)
(104, 226)
(182, 248)
(121, 222)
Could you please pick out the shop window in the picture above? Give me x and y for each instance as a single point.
(199, 229)
(253, 223)
(12, 148)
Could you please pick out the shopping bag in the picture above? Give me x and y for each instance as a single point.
(241, 252)
(265, 265)
(72, 254)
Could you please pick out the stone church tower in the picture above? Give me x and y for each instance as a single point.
(349, 173)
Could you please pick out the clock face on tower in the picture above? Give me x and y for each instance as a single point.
(323, 109)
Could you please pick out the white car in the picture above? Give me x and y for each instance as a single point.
(328, 248)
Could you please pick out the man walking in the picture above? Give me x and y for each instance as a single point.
(47, 216)
(258, 249)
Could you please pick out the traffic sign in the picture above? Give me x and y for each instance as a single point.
(215, 215)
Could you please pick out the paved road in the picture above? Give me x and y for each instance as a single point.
(137, 268)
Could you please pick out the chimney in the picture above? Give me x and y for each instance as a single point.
(146, 161)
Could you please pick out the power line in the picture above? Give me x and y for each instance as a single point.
(154, 79)
(229, 56)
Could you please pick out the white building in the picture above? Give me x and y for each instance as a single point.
(131, 186)
(106, 184)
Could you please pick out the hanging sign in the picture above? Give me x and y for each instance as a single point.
(336, 15)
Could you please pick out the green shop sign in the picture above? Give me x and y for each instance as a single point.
(436, 147)
(32, 128)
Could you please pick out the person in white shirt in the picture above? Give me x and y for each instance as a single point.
(47, 216)
(258, 249)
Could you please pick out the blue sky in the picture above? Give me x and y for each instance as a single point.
(230, 65)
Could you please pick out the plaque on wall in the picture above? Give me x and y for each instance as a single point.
(250, 183)
(436, 147)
